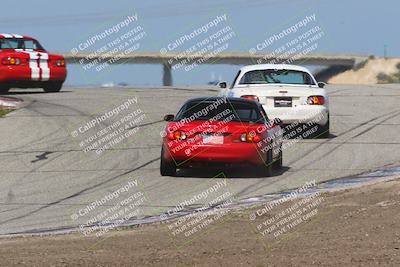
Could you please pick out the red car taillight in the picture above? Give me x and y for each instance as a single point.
(251, 137)
(177, 135)
(251, 97)
(59, 63)
(11, 61)
(315, 100)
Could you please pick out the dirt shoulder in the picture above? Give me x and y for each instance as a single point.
(349, 228)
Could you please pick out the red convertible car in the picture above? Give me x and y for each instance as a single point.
(24, 63)
(217, 131)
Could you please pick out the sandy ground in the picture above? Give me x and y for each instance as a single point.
(368, 73)
(358, 227)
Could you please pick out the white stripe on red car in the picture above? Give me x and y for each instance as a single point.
(6, 35)
(39, 65)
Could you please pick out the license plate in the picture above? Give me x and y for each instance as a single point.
(213, 139)
(283, 102)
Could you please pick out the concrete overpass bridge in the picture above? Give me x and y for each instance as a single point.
(334, 63)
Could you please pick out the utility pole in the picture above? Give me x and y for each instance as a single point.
(385, 51)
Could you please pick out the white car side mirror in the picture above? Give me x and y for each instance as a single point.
(222, 84)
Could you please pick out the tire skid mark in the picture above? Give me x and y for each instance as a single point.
(74, 150)
(254, 187)
(87, 189)
(10, 194)
(62, 139)
(319, 144)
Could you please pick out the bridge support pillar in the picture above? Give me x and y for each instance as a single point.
(167, 75)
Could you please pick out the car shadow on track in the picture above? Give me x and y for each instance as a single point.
(32, 93)
(234, 173)
(331, 136)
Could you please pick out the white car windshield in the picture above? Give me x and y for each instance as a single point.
(276, 76)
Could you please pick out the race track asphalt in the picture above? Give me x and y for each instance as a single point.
(46, 179)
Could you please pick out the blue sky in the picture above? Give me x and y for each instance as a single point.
(350, 27)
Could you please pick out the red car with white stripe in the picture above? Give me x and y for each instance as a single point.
(24, 63)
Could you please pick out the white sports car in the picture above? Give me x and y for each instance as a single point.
(287, 92)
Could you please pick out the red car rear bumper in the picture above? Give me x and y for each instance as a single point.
(236, 153)
(13, 74)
